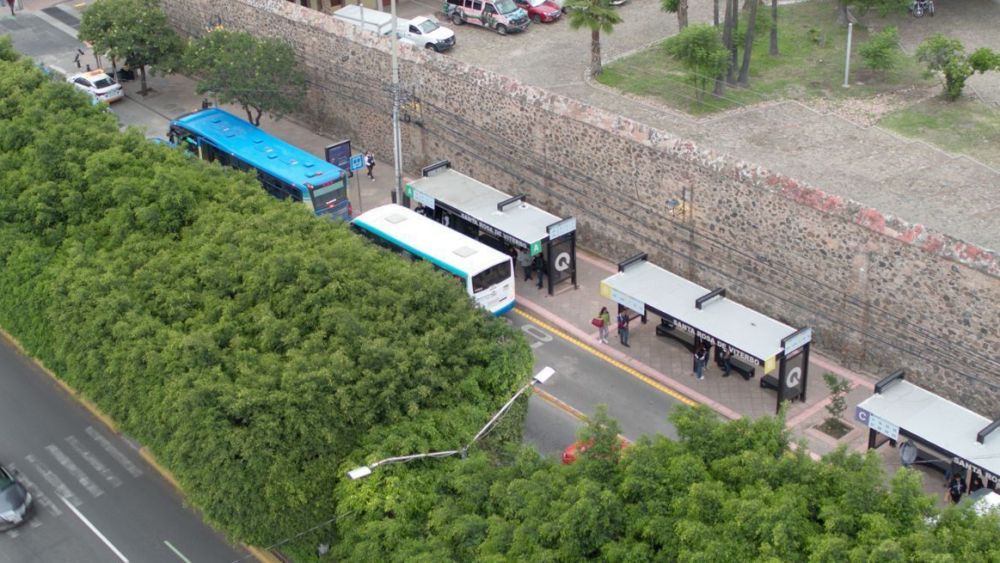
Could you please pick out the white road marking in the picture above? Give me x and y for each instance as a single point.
(175, 550)
(54, 480)
(38, 495)
(108, 475)
(96, 531)
(74, 470)
(114, 452)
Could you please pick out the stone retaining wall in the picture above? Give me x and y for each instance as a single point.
(879, 292)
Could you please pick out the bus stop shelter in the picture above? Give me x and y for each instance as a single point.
(498, 219)
(947, 436)
(690, 312)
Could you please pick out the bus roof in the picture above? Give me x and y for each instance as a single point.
(259, 148)
(429, 239)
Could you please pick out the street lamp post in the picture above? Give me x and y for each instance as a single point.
(365, 470)
(397, 139)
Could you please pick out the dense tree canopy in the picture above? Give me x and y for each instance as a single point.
(725, 491)
(250, 345)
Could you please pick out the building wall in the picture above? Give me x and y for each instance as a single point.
(879, 292)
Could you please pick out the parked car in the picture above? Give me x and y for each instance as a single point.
(422, 31)
(540, 10)
(14, 500)
(502, 16)
(98, 84)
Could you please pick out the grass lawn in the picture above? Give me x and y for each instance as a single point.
(811, 64)
(964, 126)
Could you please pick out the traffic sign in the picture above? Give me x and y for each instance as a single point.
(357, 162)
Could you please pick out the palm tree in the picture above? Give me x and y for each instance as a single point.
(597, 16)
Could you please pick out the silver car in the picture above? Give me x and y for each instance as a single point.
(14, 500)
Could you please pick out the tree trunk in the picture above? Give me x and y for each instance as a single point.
(727, 39)
(256, 119)
(246, 108)
(682, 14)
(733, 48)
(842, 12)
(744, 79)
(773, 51)
(142, 77)
(595, 52)
(114, 69)
(715, 13)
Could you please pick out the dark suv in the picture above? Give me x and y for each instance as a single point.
(14, 500)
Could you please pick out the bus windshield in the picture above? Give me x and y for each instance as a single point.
(329, 195)
(490, 277)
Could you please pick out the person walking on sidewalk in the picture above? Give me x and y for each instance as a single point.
(370, 163)
(700, 359)
(602, 331)
(623, 328)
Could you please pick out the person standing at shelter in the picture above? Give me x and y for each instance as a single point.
(724, 357)
(700, 360)
(370, 163)
(540, 269)
(956, 488)
(623, 327)
(526, 262)
(602, 330)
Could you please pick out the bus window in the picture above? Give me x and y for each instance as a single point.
(490, 277)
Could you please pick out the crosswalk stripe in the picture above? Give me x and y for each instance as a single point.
(61, 489)
(99, 467)
(114, 452)
(74, 470)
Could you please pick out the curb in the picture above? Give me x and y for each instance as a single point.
(144, 452)
(628, 361)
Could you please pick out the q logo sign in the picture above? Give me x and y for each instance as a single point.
(793, 378)
(562, 261)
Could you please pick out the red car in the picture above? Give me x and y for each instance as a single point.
(540, 10)
(574, 450)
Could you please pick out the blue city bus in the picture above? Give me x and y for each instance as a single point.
(285, 171)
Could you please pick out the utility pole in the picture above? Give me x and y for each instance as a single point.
(397, 140)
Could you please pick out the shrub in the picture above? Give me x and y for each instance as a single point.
(881, 52)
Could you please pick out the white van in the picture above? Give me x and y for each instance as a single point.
(421, 31)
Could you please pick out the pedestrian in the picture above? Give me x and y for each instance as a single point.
(724, 357)
(956, 488)
(526, 262)
(370, 163)
(540, 269)
(700, 360)
(603, 327)
(623, 328)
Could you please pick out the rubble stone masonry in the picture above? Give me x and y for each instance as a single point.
(880, 293)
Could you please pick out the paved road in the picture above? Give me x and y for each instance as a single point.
(96, 499)
(584, 379)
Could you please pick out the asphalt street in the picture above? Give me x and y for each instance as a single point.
(585, 378)
(96, 499)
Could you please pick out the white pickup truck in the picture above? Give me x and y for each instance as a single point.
(421, 31)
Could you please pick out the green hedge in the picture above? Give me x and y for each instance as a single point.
(251, 346)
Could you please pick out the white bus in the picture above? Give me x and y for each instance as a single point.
(488, 274)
